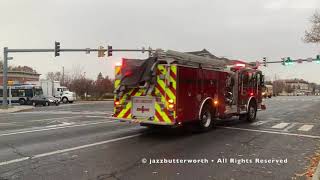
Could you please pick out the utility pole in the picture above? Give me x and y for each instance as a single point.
(5, 77)
(62, 75)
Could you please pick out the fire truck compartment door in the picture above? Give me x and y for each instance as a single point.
(143, 107)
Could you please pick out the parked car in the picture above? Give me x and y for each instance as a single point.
(45, 100)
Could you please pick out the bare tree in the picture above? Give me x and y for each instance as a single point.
(77, 72)
(289, 88)
(313, 35)
(278, 87)
(54, 76)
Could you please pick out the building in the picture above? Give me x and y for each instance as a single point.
(297, 87)
(19, 77)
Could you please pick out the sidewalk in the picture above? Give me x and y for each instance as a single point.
(316, 175)
(15, 109)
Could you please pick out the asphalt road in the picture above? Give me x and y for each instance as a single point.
(79, 141)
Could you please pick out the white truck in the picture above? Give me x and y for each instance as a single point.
(53, 88)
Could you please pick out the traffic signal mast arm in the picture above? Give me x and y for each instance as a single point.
(291, 60)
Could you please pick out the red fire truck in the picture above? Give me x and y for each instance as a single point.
(173, 88)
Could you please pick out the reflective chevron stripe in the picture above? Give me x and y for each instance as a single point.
(165, 89)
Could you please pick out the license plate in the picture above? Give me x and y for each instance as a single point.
(143, 107)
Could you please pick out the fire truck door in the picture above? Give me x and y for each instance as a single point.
(188, 92)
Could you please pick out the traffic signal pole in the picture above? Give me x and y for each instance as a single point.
(57, 51)
(5, 78)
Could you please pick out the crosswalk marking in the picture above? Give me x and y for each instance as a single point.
(258, 123)
(280, 125)
(290, 126)
(305, 127)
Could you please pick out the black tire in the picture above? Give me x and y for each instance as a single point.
(34, 104)
(206, 121)
(252, 112)
(57, 104)
(251, 115)
(46, 103)
(22, 101)
(65, 100)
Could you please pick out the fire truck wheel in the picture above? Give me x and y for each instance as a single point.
(206, 118)
(252, 112)
(250, 116)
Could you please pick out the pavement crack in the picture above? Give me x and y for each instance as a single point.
(18, 152)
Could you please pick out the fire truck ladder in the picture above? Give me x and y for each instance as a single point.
(171, 56)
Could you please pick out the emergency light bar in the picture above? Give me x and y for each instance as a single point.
(240, 65)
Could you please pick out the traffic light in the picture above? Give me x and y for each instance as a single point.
(283, 61)
(288, 61)
(265, 61)
(318, 59)
(101, 52)
(109, 51)
(56, 49)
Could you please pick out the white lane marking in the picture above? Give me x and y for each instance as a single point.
(7, 124)
(258, 123)
(61, 124)
(70, 117)
(280, 125)
(274, 119)
(67, 112)
(87, 103)
(53, 128)
(305, 127)
(271, 132)
(67, 150)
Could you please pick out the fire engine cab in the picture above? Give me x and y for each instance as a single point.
(173, 88)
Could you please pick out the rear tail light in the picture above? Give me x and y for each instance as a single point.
(116, 103)
(171, 105)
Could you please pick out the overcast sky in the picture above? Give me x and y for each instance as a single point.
(246, 30)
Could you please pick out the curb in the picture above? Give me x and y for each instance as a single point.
(316, 175)
(13, 110)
